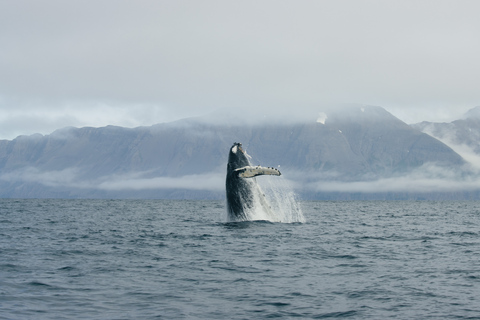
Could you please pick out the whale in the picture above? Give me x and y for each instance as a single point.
(244, 196)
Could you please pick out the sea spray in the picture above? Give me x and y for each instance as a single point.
(282, 199)
(249, 199)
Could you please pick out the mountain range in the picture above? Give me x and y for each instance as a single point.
(462, 132)
(340, 153)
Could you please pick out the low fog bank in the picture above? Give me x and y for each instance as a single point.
(430, 181)
(427, 182)
(70, 183)
(72, 178)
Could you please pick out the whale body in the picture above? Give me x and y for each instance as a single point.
(244, 196)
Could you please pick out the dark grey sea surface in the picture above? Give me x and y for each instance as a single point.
(159, 259)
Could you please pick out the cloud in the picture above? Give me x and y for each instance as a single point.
(73, 178)
(208, 181)
(29, 117)
(69, 177)
(448, 137)
(189, 57)
(428, 178)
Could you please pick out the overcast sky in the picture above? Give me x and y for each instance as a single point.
(131, 63)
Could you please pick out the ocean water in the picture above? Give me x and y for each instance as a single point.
(159, 259)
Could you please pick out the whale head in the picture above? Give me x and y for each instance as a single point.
(237, 157)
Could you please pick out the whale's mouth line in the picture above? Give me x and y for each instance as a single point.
(238, 147)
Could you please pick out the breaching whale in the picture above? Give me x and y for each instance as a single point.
(244, 196)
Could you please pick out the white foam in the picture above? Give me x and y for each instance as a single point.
(281, 197)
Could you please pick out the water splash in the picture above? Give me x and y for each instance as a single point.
(282, 199)
(276, 202)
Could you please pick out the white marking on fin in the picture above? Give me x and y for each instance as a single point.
(234, 149)
(250, 172)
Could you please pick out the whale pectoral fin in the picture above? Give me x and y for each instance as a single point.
(250, 172)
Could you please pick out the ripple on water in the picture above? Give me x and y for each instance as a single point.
(179, 260)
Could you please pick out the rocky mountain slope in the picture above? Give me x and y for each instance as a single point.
(465, 131)
(187, 158)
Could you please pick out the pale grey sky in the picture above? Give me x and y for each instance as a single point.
(131, 63)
